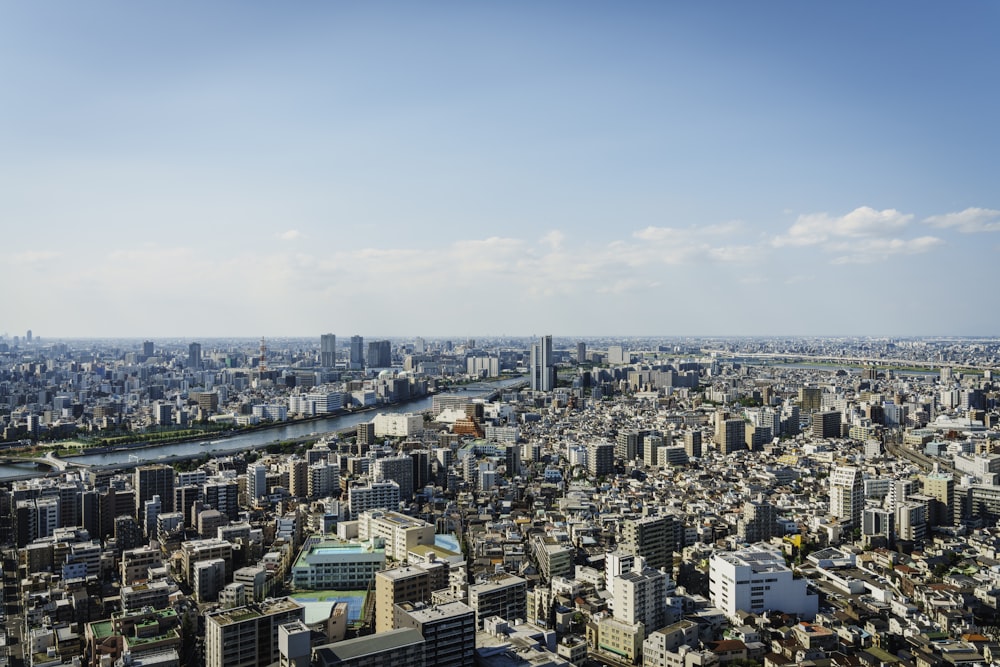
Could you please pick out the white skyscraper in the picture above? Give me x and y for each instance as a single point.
(847, 494)
(543, 371)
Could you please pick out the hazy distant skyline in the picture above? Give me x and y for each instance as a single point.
(255, 169)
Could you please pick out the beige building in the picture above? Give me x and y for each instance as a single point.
(401, 533)
(395, 586)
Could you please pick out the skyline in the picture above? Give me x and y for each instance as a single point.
(243, 170)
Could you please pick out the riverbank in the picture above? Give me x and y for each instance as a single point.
(230, 433)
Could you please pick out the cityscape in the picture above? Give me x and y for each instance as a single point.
(500, 501)
(499, 334)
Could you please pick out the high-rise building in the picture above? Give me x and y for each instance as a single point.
(911, 521)
(810, 399)
(504, 595)
(399, 469)
(941, 487)
(730, 435)
(357, 358)
(248, 636)
(759, 522)
(256, 481)
(628, 444)
(374, 496)
(395, 586)
(449, 631)
(847, 494)
(692, 444)
(328, 350)
(654, 538)
(600, 458)
(826, 424)
(639, 596)
(153, 480)
(379, 354)
(298, 478)
(147, 348)
(543, 370)
(879, 527)
(581, 353)
(194, 355)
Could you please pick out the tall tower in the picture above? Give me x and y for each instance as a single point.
(194, 355)
(262, 364)
(543, 371)
(151, 480)
(357, 360)
(328, 350)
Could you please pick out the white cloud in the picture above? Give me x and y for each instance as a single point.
(872, 250)
(969, 221)
(36, 256)
(554, 239)
(290, 235)
(862, 222)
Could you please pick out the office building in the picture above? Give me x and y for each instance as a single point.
(153, 480)
(542, 367)
(878, 527)
(194, 356)
(730, 435)
(600, 458)
(654, 538)
(581, 353)
(248, 636)
(757, 580)
(398, 469)
(759, 522)
(357, 357)
(503, 595)
(328, 350)
(449, 631)
(379, 354)
(826, 424)
(810, 399)
(692, 444)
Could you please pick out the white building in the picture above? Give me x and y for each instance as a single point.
(378, 495)
(398, 425)
(757, 580)
(400, 532)
(847, 494)
(336, 565)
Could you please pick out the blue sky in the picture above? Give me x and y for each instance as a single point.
(483, 168)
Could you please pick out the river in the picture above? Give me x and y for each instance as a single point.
(256, 439)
